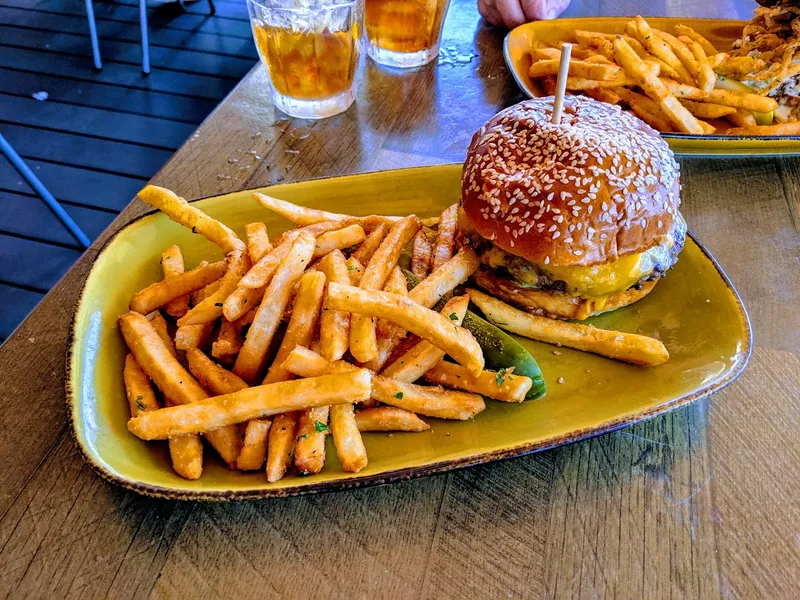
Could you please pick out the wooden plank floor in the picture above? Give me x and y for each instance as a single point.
(100, 134)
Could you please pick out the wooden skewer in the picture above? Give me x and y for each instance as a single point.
(561, 83)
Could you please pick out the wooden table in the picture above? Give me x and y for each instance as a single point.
(704, 501)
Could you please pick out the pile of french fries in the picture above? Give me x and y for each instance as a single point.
(666, 79)
(210, 355)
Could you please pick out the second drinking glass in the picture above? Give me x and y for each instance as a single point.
(404, 33)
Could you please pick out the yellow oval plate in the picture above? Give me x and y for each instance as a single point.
(695, 311)
(721, 33)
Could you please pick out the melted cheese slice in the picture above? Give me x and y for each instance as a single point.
(594, 282)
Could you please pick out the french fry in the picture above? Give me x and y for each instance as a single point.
(425, 400)
(581, 84)
(683, 91)
(138, 389)
(258, 244)
(609, 96)
(256, 402)
(656, 90)
(301, 215)
(220, 381)
(241, 301)
(421, 255)
(543, 53)
(355, 270)
(424, 356)
(779, 129)
(627, 347)
(177, 384)
(200, 295)
(578, 51)
(193, 336)
(707, 46)
(309, 451)
(429, 325)
(172, 264)
(280, 445)
(445, 237)
(300, 330)
(742, 118)
(363, 341)
(439, 283)
(389, 418)
(254, 446)
(586, 37)
(646, 109)
(346, 437)
(703, 110)
(395, 284)
(364, 252)
(305, 362)
(180, 211)
(158, 294)
(211, 308)
(186, 453)
(718, 59)
(252, 356)
(499, 385)
(339, 240)
(334, 325)
(211, 376)
(752, 102)
(445, 279)
(228, 342)
(259, 276)
(658, 47)
(160, 325)
(577, 68)
(707, 77)
(549, 85)
(684, 54)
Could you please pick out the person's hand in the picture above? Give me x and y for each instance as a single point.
(512, 13)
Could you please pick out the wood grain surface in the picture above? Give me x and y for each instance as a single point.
(701, 502)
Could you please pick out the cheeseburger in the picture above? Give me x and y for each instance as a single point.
(575, 219)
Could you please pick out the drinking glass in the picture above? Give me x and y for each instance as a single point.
(404, 33)
(310, 50)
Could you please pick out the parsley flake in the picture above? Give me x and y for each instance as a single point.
(303, 437)
(399, 395)
(502, 374)
(351, 267)
(319, 426)
(453, 317)
(139, 404)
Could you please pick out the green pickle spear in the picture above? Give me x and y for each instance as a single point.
(500, 350)
(726, 83)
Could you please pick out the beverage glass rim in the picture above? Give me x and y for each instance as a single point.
(304, 9)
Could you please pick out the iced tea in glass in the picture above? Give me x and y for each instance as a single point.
(310, 50)
(404, 33)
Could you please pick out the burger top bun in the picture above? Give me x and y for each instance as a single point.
(600, 185)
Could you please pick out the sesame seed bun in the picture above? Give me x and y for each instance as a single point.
(599, 186)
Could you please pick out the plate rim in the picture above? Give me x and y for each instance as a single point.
(386, 477)
(680, 137)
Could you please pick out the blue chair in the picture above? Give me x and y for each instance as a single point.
(98, 63)
(44, 193)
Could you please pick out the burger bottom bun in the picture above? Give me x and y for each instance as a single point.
(556, 305)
